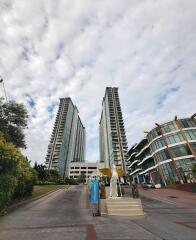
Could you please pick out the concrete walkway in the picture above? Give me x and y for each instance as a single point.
(65, 214)
(171, 195)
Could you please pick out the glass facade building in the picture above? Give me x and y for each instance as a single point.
(166, 154)
(112, 138)
(67, 143)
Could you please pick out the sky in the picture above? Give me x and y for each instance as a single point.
(53, 49)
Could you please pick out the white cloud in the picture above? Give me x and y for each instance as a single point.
(76, 48)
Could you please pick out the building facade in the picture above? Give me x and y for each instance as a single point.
(112, 137)
(166, 154)
(78, 168)
(67, 143)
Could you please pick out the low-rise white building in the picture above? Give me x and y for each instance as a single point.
(77, 168)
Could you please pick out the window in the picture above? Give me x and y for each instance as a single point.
(179, 151)
(147, 164)
(186, 123)
(174, 138)
(186, 164)
(169, 127)
(191, 134)
(162, 155)
(169, 171)
(193, 146)
(159, 143)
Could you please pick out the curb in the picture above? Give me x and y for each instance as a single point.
(24, 202)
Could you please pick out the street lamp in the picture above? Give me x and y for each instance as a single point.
(1, 81)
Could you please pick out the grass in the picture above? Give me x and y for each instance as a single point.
(38, 190)
(42, 189)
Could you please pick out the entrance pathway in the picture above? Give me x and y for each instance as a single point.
(65, 214)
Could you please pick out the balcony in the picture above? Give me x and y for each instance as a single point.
(135, 171)
(133, 163)
(129, 158)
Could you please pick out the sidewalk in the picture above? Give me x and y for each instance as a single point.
(170, 195)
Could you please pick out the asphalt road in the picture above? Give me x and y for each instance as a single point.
(65, 214)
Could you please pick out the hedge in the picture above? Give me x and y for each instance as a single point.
(8, 185)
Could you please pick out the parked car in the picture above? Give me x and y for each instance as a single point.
(158, 185)
(148, 185)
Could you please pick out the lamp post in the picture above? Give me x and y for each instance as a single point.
(1, 81)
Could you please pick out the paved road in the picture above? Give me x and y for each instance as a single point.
(64, 214)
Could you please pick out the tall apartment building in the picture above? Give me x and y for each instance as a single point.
(67, 143)
(113, 142)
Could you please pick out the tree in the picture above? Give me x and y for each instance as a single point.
(194, 170)
(82, 178)
(16, 175)
(41, 172)
(13, 119)
(51, 175)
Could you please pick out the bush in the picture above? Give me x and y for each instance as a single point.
(7, 188)
(70, 181)
(194, 170)
(46, 175)
(27, 178)
(81, 178)
(45, 183)
(16, 175)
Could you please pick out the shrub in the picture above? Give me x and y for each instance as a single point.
(27, 177)
(81, 178)
(190, 177)
(7, 188)
(194, 170)
(17, 176)
(70, 181)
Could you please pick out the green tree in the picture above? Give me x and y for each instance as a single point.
(13, 120)
(82, 178)
(44, 174)
(16, 175)
(52, 175)
(194, 170)
(41, 172)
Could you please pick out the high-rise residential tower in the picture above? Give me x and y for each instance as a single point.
(113, 142)
(67, 143)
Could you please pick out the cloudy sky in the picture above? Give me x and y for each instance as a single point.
(51, 49)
